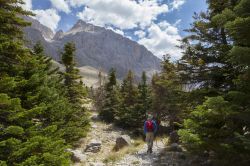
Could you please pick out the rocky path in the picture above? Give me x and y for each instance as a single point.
(141, 157)
(102, 133)
(101, 139)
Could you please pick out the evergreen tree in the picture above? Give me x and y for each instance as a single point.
(75, 91)
(127, 115)
(36, 119)
(168, 93)
(144, 99)
(221, 124)
(99, 93)
(205, 64)
(38, 49)
(111, 101)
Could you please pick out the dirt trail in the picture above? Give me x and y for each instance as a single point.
(107, 134)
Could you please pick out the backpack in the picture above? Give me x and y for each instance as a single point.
(149, 125)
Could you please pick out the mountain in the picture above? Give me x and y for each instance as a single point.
(96, 47)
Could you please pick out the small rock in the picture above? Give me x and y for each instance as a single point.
(77, 155)
(121, 142)
(95, 142)
(93, 149)
(94, 146)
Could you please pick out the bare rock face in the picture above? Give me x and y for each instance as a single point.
(46, 32)
(96, 47)
(59, 34)
(121, 142)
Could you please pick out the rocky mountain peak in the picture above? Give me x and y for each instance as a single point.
(96, 47)
(59, 34)
(82, 26)
(80, 23)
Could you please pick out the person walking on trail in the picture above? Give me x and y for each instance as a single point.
(150, 128)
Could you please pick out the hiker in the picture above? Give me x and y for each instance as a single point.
(150, 128)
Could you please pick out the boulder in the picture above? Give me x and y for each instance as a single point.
(94, 146)
(77, 155)
(121, 142)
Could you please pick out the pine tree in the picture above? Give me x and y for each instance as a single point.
(204, 64)
(99, 93)
(127, 115)
(237, 23)
(221, 124)
(168, 93)
(111, 101)
(35, 116)
(144, 99)
(38, 49)
(209, 128)
(75, 90)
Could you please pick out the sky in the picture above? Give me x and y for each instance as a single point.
(156, 24)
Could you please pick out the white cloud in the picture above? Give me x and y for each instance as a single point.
(48, 17)
(168, 28)
(159, 38)
(140, 34)
(76, 3)
(176, 4)
(27, 5)
(61, 5)
(162, 39)
(116, 31)
(124, 14)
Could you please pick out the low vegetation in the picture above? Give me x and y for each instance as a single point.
(116, 156)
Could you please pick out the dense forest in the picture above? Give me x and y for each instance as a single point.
(204, 96)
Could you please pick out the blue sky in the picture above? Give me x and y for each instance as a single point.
(156, 24)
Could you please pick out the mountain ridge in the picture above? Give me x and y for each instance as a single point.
(96, 46)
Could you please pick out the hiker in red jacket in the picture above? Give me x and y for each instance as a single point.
(150, 128)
